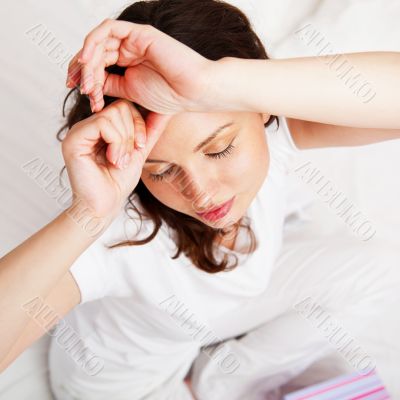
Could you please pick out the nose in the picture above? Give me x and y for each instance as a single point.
(198, 186)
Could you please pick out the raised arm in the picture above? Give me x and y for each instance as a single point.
(162, 74)
(101, 181)
(354, 89)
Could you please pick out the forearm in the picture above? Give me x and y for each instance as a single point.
(33, 268)
(354, 89)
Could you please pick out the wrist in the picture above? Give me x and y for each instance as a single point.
(239, 84)
(225, 83)
(85, 221)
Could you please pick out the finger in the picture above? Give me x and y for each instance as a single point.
(140, 127)
(98, 65)
(114, 115)
(111, 57)
(96, 95)
(71, 66)
(111, 136)
(87, 79)
(114, 86)
(112, 44)
(156, 124)
(74, 68)
(98, 127)
(74, 72)
(95, 73)
(93, 70)
(107, 29)
(130, 129)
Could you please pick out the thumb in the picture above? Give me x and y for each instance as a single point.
(115, 86)
(121, 85)
(156, 124)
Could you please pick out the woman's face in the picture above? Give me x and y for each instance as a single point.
(192, 172)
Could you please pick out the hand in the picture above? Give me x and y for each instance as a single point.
(162, 74)
(94, 151)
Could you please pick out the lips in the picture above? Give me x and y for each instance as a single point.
(217, 212)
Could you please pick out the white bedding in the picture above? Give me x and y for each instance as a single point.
(32, 82)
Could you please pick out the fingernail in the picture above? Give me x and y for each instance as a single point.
(141, 141)
(114, 160)
(123, 161)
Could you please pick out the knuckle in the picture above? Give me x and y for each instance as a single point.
(87, 39)
(124, 110)
(106, 22)
(149, 27)
(122, 104)
(97, 91)
(114, 114)
(101, 120)
(66, 146)
(121, 110)
(139, 122)
(121, 101)
(125, 104)
(106, 110)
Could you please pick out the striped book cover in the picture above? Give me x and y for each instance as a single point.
(344, 387)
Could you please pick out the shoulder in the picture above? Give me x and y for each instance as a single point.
(296, 129)
(282, 147)
(302, 132)
(102, 270)
(285, 132)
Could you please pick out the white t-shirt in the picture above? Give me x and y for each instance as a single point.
(143, 296)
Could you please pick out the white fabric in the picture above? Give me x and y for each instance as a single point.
(142, 346)
(355, 284)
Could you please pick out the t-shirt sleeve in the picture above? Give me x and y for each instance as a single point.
(90, 272)
(101, 271)
(282, 148)
(285, 154)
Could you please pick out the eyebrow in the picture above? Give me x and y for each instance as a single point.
(201, 145)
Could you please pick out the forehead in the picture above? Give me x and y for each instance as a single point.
(187, 129)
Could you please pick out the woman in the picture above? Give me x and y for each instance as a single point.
(184, 128)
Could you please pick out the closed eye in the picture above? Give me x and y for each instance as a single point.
(223, 153)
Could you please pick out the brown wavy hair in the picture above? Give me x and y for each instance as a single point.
(215, 29)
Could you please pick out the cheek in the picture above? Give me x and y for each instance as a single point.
(164, 193)
(250, 162)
